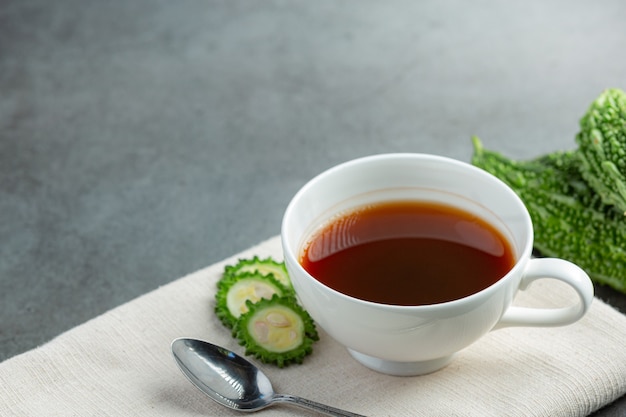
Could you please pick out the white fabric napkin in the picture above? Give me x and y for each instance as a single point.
(120, 364)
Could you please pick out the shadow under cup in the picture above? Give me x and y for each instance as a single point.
(405, 340)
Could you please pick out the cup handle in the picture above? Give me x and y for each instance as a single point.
(564, 271)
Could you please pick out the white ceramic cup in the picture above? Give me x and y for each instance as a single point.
(414, 340)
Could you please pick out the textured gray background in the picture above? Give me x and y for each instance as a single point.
(143, 140)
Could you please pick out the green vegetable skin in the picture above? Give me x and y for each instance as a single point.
(569, 219)
(602, 147)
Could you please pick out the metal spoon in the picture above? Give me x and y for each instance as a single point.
(234, 382)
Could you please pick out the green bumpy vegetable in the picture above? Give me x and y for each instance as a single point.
(570, 220)
(276, 330)
(264, 266)
(235, 291)
(256, 300)
(602, 147)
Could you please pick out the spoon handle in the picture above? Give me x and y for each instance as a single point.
(315, 406)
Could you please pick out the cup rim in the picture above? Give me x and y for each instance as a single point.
(520, 261)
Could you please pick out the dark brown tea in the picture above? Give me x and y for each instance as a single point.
(408, 253)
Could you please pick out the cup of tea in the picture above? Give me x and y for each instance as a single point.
(406, 259)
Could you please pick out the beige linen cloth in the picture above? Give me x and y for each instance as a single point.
(120, 364)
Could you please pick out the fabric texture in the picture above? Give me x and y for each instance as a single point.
(120, 364)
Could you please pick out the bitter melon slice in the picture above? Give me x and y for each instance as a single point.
(265, 266)
(276, 330)
(235, 291)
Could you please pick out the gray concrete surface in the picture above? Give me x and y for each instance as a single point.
(143, 140)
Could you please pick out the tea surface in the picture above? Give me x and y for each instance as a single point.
(408, 253)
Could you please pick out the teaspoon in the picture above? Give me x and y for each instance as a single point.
(234, 382)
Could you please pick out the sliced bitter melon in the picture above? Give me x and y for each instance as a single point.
(235, 291)
(263, 266)
(276, 330)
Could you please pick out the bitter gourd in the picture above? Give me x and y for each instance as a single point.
(234, 291)
(264, 266)
(602, 147)
(570, 220)
(253, 300)
(276, 330)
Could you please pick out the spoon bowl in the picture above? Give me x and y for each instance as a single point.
(234, 382)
